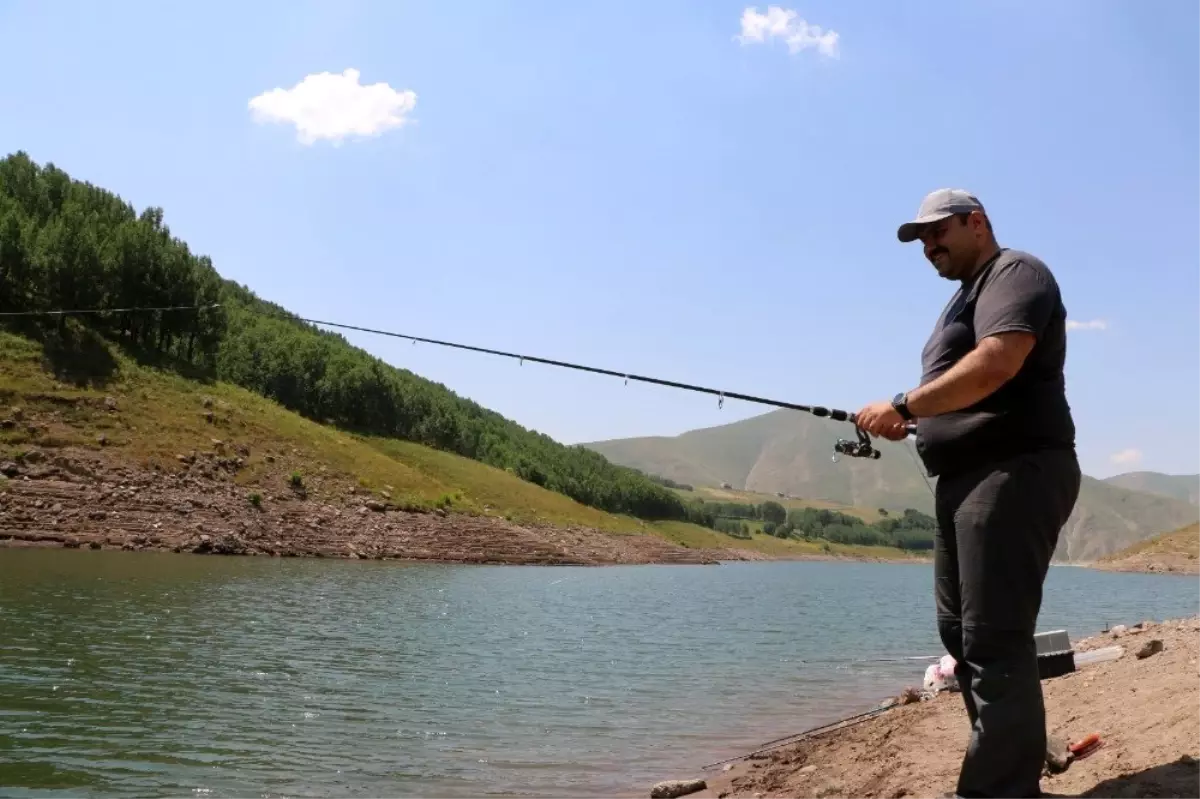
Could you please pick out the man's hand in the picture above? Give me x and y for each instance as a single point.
(881, 419)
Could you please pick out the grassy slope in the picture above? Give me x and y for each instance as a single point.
(710, 494)
(163, 415)
(1184, 541)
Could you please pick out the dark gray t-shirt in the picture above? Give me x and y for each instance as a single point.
(1015, 291)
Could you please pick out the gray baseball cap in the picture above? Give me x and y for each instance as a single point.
(936, 206)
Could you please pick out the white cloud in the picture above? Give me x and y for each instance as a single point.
(334, 107)
(1126, 457)
(1095, 324)
(783, 23)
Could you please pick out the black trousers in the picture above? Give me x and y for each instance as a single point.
(998, 526)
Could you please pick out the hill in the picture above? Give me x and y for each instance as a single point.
(1176, 552)
(179, 410)
(781, 451)
(66, 244)
(149, 459)
(1179, 486)
(789, 452)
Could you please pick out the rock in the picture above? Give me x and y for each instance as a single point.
(17, 414)
(889, 702)
(94, 545)
(909, 696)
(1118, 631)
(270, 459)
(8, 424)
(385, 494)
(1151, 647)
(207, 402)
(33, 456)
(208, 416)
(673, 788)
(10, 469)
(1058, 754)
(808, 770)
(110, 403)
(218, 444)
(102, 440)
(375, 505)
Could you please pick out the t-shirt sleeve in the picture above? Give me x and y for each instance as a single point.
(1018, 296)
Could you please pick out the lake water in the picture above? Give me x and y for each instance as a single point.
(139, 674)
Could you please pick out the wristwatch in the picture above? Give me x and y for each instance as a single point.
(900, 403)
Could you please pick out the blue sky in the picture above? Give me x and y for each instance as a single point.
(630, 185)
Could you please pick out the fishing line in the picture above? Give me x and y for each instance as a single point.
(850, 721)
(111, 310)
(860, 448)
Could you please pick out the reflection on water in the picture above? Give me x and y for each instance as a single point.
(126, 674)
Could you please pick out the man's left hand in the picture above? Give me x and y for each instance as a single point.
(881, 419)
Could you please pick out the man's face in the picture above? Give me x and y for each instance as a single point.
(952, 246)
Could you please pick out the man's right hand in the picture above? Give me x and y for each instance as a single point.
(896, 432)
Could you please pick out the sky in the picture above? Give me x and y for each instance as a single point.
(696, 190)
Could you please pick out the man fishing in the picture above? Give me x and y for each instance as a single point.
(994, 426)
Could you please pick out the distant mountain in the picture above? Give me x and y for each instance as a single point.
(780, 451)
(1179, 486)
(791, 452)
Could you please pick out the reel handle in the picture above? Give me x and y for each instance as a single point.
(862, 448)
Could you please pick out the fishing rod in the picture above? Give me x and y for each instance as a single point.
(861, 447)
(840, 724)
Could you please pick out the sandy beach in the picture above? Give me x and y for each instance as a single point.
(1144, 710)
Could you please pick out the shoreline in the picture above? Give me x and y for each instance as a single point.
(1141, 706)
(78, 500)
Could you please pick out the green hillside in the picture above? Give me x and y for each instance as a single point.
(137, 424)
(325, 409)
(68, 244)
(789, 452)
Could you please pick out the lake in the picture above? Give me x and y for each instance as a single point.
(135, 674)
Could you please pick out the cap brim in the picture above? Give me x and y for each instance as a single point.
(911, 231)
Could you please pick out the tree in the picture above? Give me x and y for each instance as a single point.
(772, 511)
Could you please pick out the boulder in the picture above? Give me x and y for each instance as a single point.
(672, 788)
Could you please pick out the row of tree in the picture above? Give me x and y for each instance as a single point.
(911, 530)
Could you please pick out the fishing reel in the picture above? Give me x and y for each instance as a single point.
(856, 449)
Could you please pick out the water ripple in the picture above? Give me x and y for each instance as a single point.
(128, 674)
